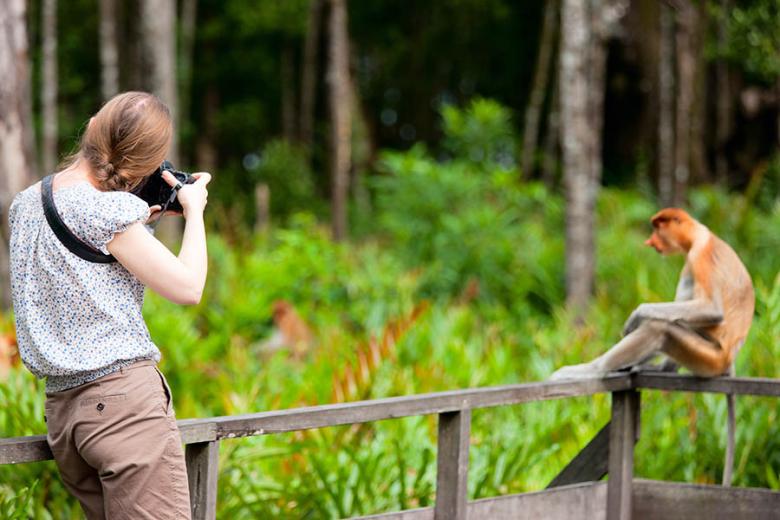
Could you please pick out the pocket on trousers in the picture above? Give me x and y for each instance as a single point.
(167, 404)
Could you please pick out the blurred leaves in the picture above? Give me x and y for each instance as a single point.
(753, 38)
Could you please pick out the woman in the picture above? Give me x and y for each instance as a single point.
(110, 419)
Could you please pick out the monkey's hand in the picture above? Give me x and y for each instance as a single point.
(695, 313)
(635, 320)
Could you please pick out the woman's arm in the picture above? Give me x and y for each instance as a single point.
(179, 279)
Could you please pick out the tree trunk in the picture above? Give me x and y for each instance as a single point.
(686, 68)
(287, 77)
(158, 26)
(575, 139)
(586, 26)
(49, 87)
(552, 140)
(309, 74)
(186, 45)
(700, 171)
(666, 152)
(158, 30)
(724, 105)
(16, 152)
(340, 108)
(540, 83)
(109, 52)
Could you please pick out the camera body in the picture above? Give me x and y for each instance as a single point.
(154, 189)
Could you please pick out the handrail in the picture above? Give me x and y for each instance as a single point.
(454, 409)
(33, 448)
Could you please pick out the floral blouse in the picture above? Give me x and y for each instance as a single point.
(75, 320)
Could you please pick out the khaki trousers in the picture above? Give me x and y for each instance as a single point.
(117, 446)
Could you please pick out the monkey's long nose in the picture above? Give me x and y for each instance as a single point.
(649, 242)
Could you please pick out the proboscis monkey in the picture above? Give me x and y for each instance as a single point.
(290, 331)
(9, 354)
(703, 329)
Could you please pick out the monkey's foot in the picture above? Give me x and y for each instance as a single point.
(582, 371)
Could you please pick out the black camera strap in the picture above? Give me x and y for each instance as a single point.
(76, 246)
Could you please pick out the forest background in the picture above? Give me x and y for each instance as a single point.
(451, 193)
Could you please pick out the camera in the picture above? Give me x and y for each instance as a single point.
(154, 190)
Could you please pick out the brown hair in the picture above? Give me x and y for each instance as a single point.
(126, 140)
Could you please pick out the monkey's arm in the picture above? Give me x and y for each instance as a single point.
(695, 313)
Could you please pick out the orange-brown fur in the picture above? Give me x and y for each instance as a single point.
(702, 329)
(291, 330)
(9, 354)
(717, 273)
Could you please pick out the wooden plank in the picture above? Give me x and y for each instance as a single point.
(35, 448)
(202, 473)
(16, 450)
(452, 465)
(622, 436)
(425, 513)
(585, 500)
(197, 430)
(588, 465)
(723, 385)
(424, 404)
(677, 501)
(31, 449)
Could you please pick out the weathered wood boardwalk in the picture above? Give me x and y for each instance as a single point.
(577, 492)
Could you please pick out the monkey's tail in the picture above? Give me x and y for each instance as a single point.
(728, 464)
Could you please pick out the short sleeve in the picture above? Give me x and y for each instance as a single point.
(112, 212)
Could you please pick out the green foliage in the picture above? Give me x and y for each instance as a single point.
(481, 132)
(468, 219)
(753, 38)
(287, 18)
(284, 168)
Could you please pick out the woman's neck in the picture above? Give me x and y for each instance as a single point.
(78, 172)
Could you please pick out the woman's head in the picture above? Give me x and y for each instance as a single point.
(126, 140)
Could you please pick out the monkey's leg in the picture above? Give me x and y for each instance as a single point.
(638, 346)
(701, 356)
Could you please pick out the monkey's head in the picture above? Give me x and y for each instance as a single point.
(280, 309)
(673, 231)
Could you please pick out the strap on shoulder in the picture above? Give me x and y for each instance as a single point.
(65, 235)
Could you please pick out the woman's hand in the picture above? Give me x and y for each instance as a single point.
(180, 278)
(192, 197)
(156, 213)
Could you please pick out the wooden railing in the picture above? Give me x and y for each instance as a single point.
(575, 493)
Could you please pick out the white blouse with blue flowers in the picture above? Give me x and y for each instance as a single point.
(75, 320)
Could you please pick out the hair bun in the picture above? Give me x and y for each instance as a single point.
(108, 168)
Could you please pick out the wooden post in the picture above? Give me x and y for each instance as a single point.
(622, 435)
(452, 465)
(202, 471)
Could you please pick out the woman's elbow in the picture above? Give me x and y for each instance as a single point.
(192, 297)
(186, 296)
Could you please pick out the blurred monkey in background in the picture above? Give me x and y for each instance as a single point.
(290, 331)
(9, 354)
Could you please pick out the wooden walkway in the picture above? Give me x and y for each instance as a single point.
(577, 492)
